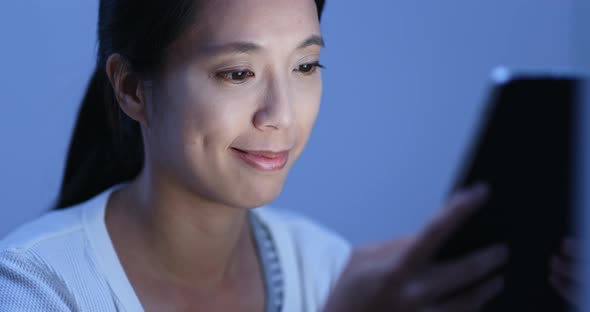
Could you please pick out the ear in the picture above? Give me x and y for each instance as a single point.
(128, 88)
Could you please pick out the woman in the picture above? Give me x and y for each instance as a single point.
(195, 114)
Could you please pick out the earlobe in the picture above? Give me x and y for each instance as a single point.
(127, 87)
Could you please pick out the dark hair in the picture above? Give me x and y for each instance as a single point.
(106, 147)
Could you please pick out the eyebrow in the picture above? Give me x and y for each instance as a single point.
(250, 47)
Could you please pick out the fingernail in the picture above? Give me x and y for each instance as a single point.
(479, 193)
(480, 189)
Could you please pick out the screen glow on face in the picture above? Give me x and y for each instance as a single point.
(238, 98)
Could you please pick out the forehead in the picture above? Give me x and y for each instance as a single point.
(265, 22)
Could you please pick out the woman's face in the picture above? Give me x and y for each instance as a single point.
(241, 82)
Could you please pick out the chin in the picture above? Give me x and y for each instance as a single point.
(260, 196)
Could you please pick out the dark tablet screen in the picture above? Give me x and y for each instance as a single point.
(525, 150)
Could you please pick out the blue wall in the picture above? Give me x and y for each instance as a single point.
(404, 84)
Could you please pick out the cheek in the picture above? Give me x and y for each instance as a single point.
(197, 121)
(209, 125)
(307, 106)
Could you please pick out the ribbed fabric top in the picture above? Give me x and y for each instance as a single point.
(65, 261)
(273, 275)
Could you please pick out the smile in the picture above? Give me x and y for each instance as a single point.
(263, 160)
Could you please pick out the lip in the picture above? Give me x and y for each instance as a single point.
(263, 160)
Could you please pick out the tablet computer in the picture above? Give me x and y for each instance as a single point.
(525, 149)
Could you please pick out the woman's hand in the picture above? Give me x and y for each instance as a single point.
(563, 269)
(402, 276)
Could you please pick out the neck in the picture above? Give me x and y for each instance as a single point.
(183, 235)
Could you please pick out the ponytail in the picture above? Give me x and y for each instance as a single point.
(105, 148)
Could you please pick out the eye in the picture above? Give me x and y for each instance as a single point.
(235, 76)
(310, 68)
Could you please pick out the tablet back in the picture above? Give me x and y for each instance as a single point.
(525, 150)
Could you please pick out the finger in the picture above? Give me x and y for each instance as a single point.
(448, 278)
(473, 299)
(460, 207)
(563, 269)
(563, 288)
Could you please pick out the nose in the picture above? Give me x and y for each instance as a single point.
(276, 110)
